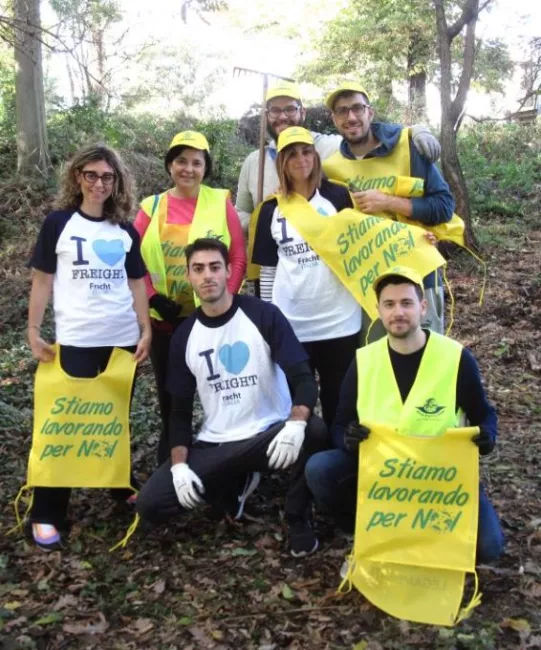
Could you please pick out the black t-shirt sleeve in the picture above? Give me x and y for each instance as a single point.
(338, 195)
(303, 385)
(265, 251)
(471, 396)
(180, 422)
(134, 265)
(180, 380)
(347, 406)
(44, 254)
(285, 348)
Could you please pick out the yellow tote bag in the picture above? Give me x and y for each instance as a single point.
(81, 435)
(416, 524)
(358, 247)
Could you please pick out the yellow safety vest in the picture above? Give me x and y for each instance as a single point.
(429, 409)
(209, 220)
(390, 174)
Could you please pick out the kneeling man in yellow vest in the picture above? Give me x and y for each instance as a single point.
(415, 382)
(372, 156)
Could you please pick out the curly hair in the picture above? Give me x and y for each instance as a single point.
(119, 205)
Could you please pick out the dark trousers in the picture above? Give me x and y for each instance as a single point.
(159, 356)
(50, 505)
(331, 359)
(218, 465)
(332, 477)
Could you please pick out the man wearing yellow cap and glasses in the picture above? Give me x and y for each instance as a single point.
(284, 109)
(413, 380)
(372, 156)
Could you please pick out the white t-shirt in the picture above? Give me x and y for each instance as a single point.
(311, 297)
(93, 304)
(236, 361)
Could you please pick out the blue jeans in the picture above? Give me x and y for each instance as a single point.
(332, 478)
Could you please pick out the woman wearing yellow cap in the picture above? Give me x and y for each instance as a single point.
(167, 223)
(324, 315)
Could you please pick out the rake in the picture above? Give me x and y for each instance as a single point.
(248, 72)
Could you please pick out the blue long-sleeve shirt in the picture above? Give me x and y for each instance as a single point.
(470, 394)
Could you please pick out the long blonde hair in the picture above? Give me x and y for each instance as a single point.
(286, 185)
(119, 205)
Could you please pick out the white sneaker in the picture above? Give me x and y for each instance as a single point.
(344, 569)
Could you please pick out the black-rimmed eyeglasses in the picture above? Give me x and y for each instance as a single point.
(93, 177)
(358, 110)
(290, 111)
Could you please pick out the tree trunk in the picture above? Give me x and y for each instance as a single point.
(416, 78)
(452, 170)
(417, 96)
(452, 108)
(32, 145)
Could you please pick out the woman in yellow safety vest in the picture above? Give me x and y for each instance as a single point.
(167, 223)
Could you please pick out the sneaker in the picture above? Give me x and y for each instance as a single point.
(250, 486)
(344, 569)
(46, 537)
(302, 538)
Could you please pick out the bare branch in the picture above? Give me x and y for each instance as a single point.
(471, 11)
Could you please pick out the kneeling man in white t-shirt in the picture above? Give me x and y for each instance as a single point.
(257, 393)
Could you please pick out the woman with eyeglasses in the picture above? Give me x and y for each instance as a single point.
(167, 223)
(88, 256)
(324, 315)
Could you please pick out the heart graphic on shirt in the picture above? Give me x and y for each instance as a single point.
(234, 357)
(110, 252)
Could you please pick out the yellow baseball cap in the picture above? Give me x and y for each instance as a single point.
(404, 272)
(293, 135)
(348, 86)
(192, 139)
(284, 89)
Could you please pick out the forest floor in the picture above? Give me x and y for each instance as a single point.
(202, 584)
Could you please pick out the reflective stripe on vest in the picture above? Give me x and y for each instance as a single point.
(209, 220)
(430, 406)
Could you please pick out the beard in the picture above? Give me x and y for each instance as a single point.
(271, 128)
(360, 139)
(215, 297)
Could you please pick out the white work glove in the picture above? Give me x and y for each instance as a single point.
(188, 486)
(425, 143)
(284, 450)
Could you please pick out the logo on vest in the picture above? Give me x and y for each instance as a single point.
(430, 408)
(212, 235)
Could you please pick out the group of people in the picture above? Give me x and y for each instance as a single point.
(172, 292)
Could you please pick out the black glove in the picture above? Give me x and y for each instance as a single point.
(484, 441)
(166, 308)
(354, 434)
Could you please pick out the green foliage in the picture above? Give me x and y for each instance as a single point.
(502, 165)
(383, 41)
(142, 138)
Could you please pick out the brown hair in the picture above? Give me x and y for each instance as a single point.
(286, 185)
(119, 205)
(398, 279)
(206, 244)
